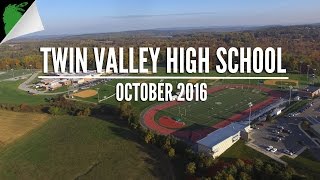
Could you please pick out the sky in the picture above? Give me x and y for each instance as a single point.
(98, 16)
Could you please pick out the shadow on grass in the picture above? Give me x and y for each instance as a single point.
(159, 164)
(193, 132)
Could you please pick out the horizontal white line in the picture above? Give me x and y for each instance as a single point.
(164, 77)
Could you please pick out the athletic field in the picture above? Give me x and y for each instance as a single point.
(218, 107)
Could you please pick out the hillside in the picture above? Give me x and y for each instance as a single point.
(82, 148)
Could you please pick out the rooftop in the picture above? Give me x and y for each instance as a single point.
(312, 88)
(219, 135)
(316, 128)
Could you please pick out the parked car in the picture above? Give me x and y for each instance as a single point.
(255, 127)
(275, 131)
(269, 148)
(260, 124)
(274, 150)
(280, 127)
(288, 152)
(276, 139)
(281, 136)
(287, 131)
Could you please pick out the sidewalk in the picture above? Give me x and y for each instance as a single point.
(272, 156)
(316, 144)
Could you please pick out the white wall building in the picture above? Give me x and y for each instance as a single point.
(222, 139)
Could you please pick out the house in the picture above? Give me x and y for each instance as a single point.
(54, 85)
(47, 81)
(313, 91)
(78, 81)
(65, 82)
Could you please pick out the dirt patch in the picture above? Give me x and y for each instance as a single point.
(193, 81)
(86, 93)
(14, 125)
(281, 82)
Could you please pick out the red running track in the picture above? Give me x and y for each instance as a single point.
(168, 122)
(195, 135)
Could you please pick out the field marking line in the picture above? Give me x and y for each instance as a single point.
(165, 77)
(107, 98)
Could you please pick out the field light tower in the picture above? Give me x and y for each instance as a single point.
(308, 73)
(314, 75)
(290, 87)
(250, 106)
(98, 95)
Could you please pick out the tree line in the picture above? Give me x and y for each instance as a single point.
(300, 44)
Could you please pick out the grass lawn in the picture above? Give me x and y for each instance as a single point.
(9, 93)
(61, 89)
(241, 151)
(305, 164)
(297, 105)
(15, 73)
(218, 107)
(82, 148)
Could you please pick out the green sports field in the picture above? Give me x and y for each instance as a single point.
(218, 107)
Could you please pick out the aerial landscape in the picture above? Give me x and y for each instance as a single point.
(71, 125)
(63, 114)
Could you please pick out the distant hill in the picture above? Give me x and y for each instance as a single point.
(166, 32)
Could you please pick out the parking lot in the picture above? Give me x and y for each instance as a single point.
(267, 134)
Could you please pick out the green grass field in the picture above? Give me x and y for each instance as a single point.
(218, 107)
(9, 93)
(305, 164)
(82, 148)
(240, 151)
(15, 73)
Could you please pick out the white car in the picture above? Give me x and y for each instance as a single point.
(269, 148)
(288, 152)
(274, 150)
(275, 131)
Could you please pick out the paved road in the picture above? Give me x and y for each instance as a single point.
(312, 113)
(273, 156)
(26, 87)
(298, 135)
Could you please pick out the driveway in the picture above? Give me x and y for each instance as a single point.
(26, 87)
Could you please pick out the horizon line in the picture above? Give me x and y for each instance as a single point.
(165, 77)
(43, 33)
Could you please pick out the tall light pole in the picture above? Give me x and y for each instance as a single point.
(12, 73)
(314, 75)
(250, 105)
(308, 73)
(98, 95)
(290, 87)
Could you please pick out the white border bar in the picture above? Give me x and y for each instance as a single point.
(164, 77)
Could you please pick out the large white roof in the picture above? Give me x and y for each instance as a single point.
(222, 134)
